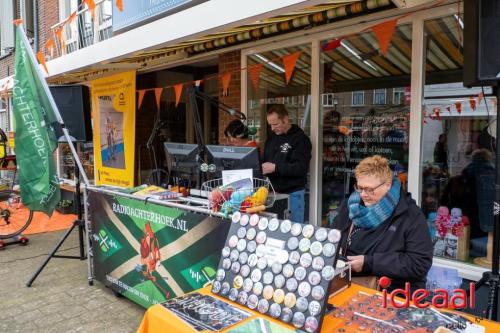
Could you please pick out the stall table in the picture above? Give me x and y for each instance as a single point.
(159, 319)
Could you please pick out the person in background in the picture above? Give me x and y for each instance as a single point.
(287, 154)
(237, 134)
(387, 234)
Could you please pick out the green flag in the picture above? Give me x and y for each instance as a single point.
(33, 133)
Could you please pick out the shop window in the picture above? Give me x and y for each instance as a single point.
(328, 100)
(358, 98)
(353, 129)
(398, 96)
(458, 148)
(27, 15)
(67, 163)
(379, 97)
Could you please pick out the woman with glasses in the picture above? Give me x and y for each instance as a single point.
(387, 234)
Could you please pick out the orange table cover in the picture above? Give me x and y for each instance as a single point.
(158, 319)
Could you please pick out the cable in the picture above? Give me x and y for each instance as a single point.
(40, 255)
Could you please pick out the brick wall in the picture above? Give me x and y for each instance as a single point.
(48, 15)
(230, 61)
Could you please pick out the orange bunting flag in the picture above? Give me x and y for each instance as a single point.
(437, 114)
(59, 34)
(289, 62)
(448, 108)
(458, 106)
(91, 5)
(72, 17)
(141, 92)
(384, 32)
(49, 45)
(178, 93)
(41, 59)
(158, 92)
(17, 22)
(254, 72)
(331, 45)
(480, 98)
(226, 78)
(119, 5)
(472, 103)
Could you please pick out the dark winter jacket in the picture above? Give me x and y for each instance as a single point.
(291, 153)
(400, 248)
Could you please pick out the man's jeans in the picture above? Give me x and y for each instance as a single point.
(297, 206)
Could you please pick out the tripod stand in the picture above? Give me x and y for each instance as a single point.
(492, 279)
(79, 222)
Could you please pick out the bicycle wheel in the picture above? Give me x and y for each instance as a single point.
(13, 220)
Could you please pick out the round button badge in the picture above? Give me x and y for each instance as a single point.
(276, 267)
(327, 273)
(286, 315)
(216, 285)
(321, 234)
(254, 220)
(316, 248)
(311, 324)
(247, 285)
(257, 288)
(291, 284)
(278, 296)
(261, 237)
(298, 319)
(318, 293)
(300, 273)
(256, 275)
(260, 251)
(251, 246)
(252, 260)
(292, 243)
(262, 263)
(328, 250)
(221, 274)
(314, 278)
(251, 233)
(263, 306)
(285, 226)
(314, 308)
(296, 229)
(233, 294)
(275, 310)
(279, 281)
(225, 288)
(235, 255)
(334, 236)
(242, 244)
(302, 304)
(294, 257)
(288, 271)
(238, 282)
(282, 256)
(263, 223)
(233, 241)
(226, 251)
(274, 224)
(267, 278)
(304, 289)
(226, 263)
(236, 217)
(243, 258)
(290, 300)
(242, 231)
(242, 297)
(304, 244)
(235, 267)
(318, 263)
(268, 292)
(252, 301)
(244, 220)
(245, 271)
(308, 231)
(305, 260)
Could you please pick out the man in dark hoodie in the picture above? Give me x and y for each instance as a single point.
(286, 159)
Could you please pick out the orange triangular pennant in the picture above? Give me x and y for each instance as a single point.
(226, 78)
(384, 32)
(17, 22)
(178, 93)
(480, 98)
(119, 5)
(458, 106)
(59, 34)
(448, 108)
(41, 59)
(140, 98)
(72, 17)
(472, 103)
(289, 62)
(158, 92)
(49, 45)
(91, 5)
(254, 72)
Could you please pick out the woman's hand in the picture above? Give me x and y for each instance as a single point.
(356, 263)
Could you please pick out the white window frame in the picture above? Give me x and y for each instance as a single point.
(385, 96)
(399, 90)
(328, 99)
(6, 27)
(352, 98)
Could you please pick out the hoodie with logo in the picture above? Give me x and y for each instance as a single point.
(291, 153)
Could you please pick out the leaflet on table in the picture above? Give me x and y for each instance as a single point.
(260, 325)
(231, 176)
(204, 312)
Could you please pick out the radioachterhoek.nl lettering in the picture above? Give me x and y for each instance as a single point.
(153, 217)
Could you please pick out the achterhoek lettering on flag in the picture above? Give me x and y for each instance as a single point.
(33, 132)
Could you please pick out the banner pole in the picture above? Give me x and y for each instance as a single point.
(29, 51)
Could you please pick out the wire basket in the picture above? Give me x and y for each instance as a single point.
(230, 199)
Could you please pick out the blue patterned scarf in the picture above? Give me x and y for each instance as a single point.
(372, 216)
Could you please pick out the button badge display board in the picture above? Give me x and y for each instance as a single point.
(279, 268)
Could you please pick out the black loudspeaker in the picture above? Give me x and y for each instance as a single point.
(481, 42)
(73, 103)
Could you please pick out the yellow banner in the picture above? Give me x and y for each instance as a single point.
(113, 116)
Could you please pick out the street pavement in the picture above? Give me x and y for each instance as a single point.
(60, 299)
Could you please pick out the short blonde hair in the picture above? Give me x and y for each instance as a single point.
(375, 165)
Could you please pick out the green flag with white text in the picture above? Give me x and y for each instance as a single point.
(33, 133)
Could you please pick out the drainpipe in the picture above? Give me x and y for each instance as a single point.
(35, 24)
